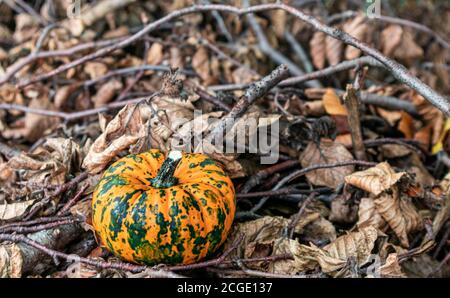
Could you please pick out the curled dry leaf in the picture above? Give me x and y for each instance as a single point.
(13, 210)
(50, 164)
(399, 213)
(303, 257)
(343, 211)
(266, 237)
(106, 92)
(332, 103)
(317, 49)
(391, 268)
(358, 245)
(328, 152)
(11, 261)
(124, 130)
(369, 216)
(376, 179)
(391, 37)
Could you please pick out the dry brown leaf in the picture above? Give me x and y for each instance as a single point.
(155, 54)
(406, 125)
(13, 210)
(122, 132)
(391, 268)
(317, 49)
(369, 216)
(332, 103)
(11, 261)
(399, 213)
(106, 92)
(328, 153)
(356, 27)
(95, 69)
(342, 211)
(375, 179)
(202, 64)
(391, 38)
(408, 49)
(358, 245)
(303, 255)
(333, 50)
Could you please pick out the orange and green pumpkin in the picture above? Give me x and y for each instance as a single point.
(148, 209)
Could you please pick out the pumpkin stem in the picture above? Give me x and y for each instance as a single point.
(165, 176)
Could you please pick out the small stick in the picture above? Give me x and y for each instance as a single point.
(257, 179)
(36, 208)
(40, 220)
(268, 193)
(352, 104)
(303, 171)
(33, 229)
(255, 91)
(296, 218)
(72, 201)
(96, 263)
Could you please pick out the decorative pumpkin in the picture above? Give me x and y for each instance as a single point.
(149, 210)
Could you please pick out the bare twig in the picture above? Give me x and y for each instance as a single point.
(33, 229)
(396, 69)
(299, 51)
(58, 191)
(255, 91)
(72, 201)
(296, 218)
(96, 263)
(301, 172)
(13, 69)
(257, 179)
(74, 115)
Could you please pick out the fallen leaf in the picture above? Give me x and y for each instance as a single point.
(399, 213)
(327, 153)
(317, 49)
(13, 210)
(358, 245)
(333, 50)
(375, 179)
(11, 261)
(332, 103)
(369, 216)
(122, 132)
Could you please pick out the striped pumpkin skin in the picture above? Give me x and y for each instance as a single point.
(181, 224)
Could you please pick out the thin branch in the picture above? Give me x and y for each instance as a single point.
(397, 70)
(96, 263)
(17, 66)
(301, 172)
(255, 91)
(296, 218)
(74, 115)
(33, 229)
(72, 201)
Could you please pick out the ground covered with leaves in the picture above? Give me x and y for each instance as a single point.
(361, 187)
